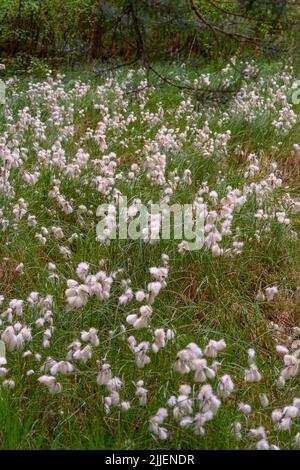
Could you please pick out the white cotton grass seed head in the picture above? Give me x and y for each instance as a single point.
(82, 270)
(214, 347)
(297, 440)
(282, 350)
(245, 408)
(225, 386)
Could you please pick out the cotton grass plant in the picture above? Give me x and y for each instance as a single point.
(132, 344)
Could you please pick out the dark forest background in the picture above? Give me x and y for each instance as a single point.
(127, 31)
